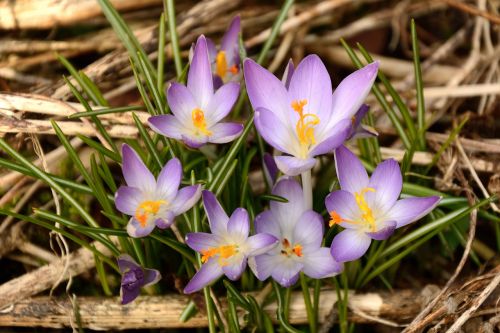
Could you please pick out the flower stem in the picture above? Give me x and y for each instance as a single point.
(307, 188)
(311, 316)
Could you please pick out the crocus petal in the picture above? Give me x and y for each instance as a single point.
(363, 132)
(287, 75)
(194, 141)
(169, 179)
(238, 225)
(200, 74)
(311, 82)
(234, 270)
(309, 231)
(208, 273)
(167, 125)
(387, 181)
(336, 137)
(351, 173)
(320, 264)
(349, 245)
(287, 214)
(294, 166)
(266, 91)
(181, 102)
(185, 199)
(225, 132)
(135, 229)
(385, 230)
(166, 221)
(344, 204)
(151, 276)
(222, 102)
(271, 170)
(136, 174)
(273, 130)
(127, 295)
(201, 241)
(263, 265)
(127, 199)
(229, 41)
(352, 91)
(126, 262)
(267, 223)
(287, 272)
(217, 217)
(411, 209)
(261, 243)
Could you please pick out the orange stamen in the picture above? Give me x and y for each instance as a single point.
(198, 118)
(145, 209)
(305, 129)
(224, 252)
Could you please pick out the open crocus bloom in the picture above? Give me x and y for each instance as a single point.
(134, 277)
(226, 61)
(299, 116)
(368, 208)
(149, 201)
(300, 234)
(226, 249)
(197, 110)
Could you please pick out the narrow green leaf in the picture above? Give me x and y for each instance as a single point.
(174, 40)
(160, 65)
(419, 85)
(236, 295)
(280, 312)
(101, 111)
(148, 141)
(272, 197)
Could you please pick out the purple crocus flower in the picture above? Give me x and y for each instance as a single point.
(149, 201)
(134, 277)
(300, 234)
(368, 208)
(359, 130)
(197, 109)
(299, 116)
(226, 249)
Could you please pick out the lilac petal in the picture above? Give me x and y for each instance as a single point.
(127, 295)
(167, 125)
(311, 82)
(185, 199)
(169, 179)
(225, 132)
(200, 74)
(338, 135)
(294, 166)
(136, 174)
(181, 102)
(222, 102)
(267, 223)
(127, 199)
(266, 91)
(273, 130)
(151, 276)
(238, 225)
(271, 170)
(136, 230)
(234, 270)
(387, 181)
(261, 243)
(320, 264)
(212, 50)
(351, 173)
(126, 263)
(287, 272)
(263, 265)
(201, 241)
(166, 221)
(352, 91)
(288, 214)
(309, 231)
(194, 141)
(217, 217)
(217, 81)
(360, 114)
(208, 273)
(349, 245)
(229, 41)
(287, 75)
(344, 205)
(409, 210)
(385, 230)
(363, 132)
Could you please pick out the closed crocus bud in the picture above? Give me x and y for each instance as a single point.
(134, 277)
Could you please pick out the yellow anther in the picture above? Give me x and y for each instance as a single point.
(221, 64)
(224, 252)
(305, 129)
(366, 211)
(297, 249)
(199, 122)
(146, 208)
